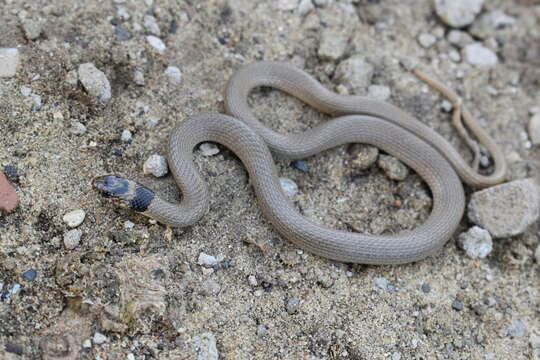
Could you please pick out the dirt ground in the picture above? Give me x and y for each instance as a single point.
(136, 289)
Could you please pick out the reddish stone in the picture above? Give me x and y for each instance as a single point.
(8, 197)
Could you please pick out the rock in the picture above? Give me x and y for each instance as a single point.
(26, 91)
(87, 344)
(287, 5)
(74, 218)
(396, 356)
(457, 305)
(476, 242)
(333, 44)
(99, 338)
(205, 346)
(9, 62)
(9, 200)
(446, 106)
(289, 187)
(300, 165)
(138, 77)
(426, 288)
(355, 73)
(381, 283)
(95, 82)
(156, 165)
(210, 287)
(151, 25)
(207, 260)
(292, 305)
(479, 55)
(537, 254)
(454, 55)
(262, 330)
(173, 74)
(490, 21)
(122, 34)
(156, 43)
(77, 128)
(305, 6)
(534, 129)
(426, 40)
(458, 13)
(393, 168)
(126, 136)
(32, 28)
(208, 149)
(30, 275)
(516, 330)
(507, 209)
(459, 38)
(363, 155)
(320, 3)
(72, 239)
(378, 92)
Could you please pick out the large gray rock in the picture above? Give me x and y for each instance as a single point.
(95, 82)
(507, 209)
(458, 13)
(355, 73)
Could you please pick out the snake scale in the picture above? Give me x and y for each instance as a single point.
(357, 120)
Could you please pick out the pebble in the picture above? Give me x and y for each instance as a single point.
(122, 34)
(30, 275)
(363, 155)
(206, 347)
(479, 55)
(9, 62)
(156, 165)
(99, 338)
(26, 91)
(12, 173)
(381, 283)
(72, 239)
(457, 305)
(507, 209)
(156, 43)
(459, 38)
(138, 77)
(262, 330)
(446, 106)
(9, 199)
(476, 242)
(151, 25)
(490, 21)
(396, 356)
(173, 74)
(537, 254)
(305, 6)
(393, 168)
(458, 13)
(426, 288)
(379, 92)
(300, 165)
(426, 40)
(87, 344)
(320, 3)
(32, 28)
(208, 149)
(516, 330)
(95, 82)
(252, 280)
(210, 287)
(454, 55)
(287, 4)
(74, 218)
(289, 187)
(77, 128)
(534, 129)
(355, 73)
(292, 305)
(207, 260)
(332, 45)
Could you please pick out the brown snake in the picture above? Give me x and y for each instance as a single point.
(360, 120)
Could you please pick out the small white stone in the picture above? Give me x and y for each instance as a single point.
(379, 92)
(87, 344)
(537, 254)
(26, 91)
(534, 129)
(426, 40)
(99, 338)
(458, 13)
(476, 242)
(479, 55)
(156, 43)
(95, 82)
(72, 239)
(74, 218)
(126, 136)
(289, 187)
(152, 121)
(151, 25)
(396, 356)
(156, 165)
(9, 62)
(57, 115)
(446, 106)
(130, 356)
(287, 4)
(138, 77)
(207, 260)
(305, 6)
(77, 128)
(252, 280)
(208, 149)
(173, 74)
(454, 55)
(128, 225)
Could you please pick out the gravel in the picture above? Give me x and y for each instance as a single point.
(355, 73)
(363, 156)
(72, 239)
(205, 346)
(95, 82)
(173, 74)
(479, 55)
(156, 165)
(457, 305)
(207, 260)
(289, 187)
(292, 305)
(74, 218)
(537, 254)
(459, 38)
(517, 329)
(208, 149)
(9, 62)
(151, 25)
(77, 128)
(379, 92)
(458, 13)
(305, 6)
(534, 129)
(485, 26)
(30, 275)
(301, 165)
(393, 168)
(426, 40)
(138, 77)
(126, 136)
(332, 45)
(476, 242)
(99, 338)
(507, 209)
(122, 34)
(32, 28)
(156, 43)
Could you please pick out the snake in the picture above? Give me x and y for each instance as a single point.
(355, 119)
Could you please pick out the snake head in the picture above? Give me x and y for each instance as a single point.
(127, 192)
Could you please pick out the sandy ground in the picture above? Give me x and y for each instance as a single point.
(142, 287)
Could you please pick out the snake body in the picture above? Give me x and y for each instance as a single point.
(358, 120)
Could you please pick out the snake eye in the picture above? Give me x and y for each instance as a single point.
(111, 185)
